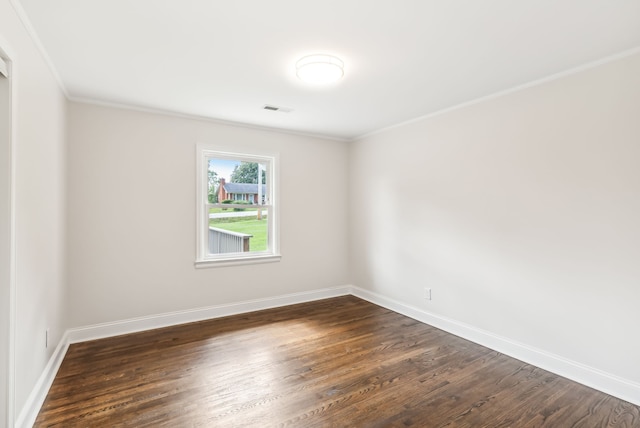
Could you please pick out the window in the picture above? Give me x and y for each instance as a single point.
(237, 208)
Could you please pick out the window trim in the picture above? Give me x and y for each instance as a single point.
(205, 260)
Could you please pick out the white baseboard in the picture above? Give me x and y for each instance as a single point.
(133, 325)
(589, 376)
(27, 417)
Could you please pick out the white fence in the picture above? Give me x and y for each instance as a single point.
(225, 241)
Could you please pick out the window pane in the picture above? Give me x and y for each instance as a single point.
(236, 180)
(237, 230)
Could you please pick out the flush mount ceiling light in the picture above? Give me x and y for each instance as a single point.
(319, 69)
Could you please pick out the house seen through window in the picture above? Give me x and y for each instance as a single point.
(238, 207)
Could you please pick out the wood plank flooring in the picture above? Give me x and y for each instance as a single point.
(340, 362)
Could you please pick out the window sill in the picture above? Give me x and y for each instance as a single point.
(235, 261)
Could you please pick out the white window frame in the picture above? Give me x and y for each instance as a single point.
(203, 259)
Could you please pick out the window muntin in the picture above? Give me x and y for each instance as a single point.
(236, 208)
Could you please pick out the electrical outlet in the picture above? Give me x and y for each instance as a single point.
(427, 294)
(46, 338)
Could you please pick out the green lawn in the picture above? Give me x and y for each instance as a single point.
(250, 225)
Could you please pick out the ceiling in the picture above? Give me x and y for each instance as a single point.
(403, 58)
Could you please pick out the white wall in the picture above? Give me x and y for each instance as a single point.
(40, 203)
(132, 216)
(520, 212)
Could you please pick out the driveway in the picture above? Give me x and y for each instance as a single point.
(237, 214)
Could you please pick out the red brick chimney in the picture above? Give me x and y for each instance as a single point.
(222, 194)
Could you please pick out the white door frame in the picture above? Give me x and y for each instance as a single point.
(9, 290)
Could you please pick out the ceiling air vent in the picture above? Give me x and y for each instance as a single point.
(277, 108)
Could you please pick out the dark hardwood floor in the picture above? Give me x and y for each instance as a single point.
(339, 362)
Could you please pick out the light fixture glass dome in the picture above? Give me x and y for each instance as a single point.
(319, 69)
